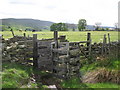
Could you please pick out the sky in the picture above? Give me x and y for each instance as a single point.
(67, 11)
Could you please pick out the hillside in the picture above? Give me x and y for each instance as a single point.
(23, 23)
(38, 24)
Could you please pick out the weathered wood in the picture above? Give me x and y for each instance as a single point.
(35, 51)
(12, 32)
(56, 38)
(108, 38)
(62, 38)
(25, 39)
(24, 34)
(104, 45)
(109, 42)
(28, 36)
(78, 42)
(89, 43)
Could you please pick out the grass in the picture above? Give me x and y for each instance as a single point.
(75, 83)
(13, 78)
(18, 76)
(110, 63)
(103, 85)
(96, 36)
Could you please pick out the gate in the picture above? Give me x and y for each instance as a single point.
(61, 57)
(66, 60)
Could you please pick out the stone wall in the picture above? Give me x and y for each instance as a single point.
(15, 50)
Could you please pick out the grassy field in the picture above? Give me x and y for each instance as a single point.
(15, 75)
(97, 36)
(18, 76)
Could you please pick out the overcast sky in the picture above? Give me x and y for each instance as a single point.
(104, 11)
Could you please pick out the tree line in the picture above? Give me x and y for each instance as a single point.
(63, 26)
(82, 23)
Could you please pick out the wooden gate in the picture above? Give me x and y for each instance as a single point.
(65, 60)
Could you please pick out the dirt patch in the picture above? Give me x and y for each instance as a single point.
(51, 80)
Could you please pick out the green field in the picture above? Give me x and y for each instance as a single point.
(97, 36)
(15, 75)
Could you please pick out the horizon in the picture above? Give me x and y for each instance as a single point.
(54, 22)
(66, 11)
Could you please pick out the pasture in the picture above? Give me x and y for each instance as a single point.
(34, 78)
(97, 36)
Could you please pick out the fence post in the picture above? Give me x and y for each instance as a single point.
(104, 45)
(25, 42)
(12, 32)
(35, 51)
(89, 43)
(109, 38)
(24, 35)
(56, 38)
(109, 42)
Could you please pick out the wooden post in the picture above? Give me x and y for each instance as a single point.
(35, 51)
(1, 38)
(109, 38)
(104, 45)
(12, 32)
(109, 42)
(56, 38)
(105, 42)
(24, 34)
(89, 43)
(25, 42)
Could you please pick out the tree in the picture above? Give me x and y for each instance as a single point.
(116, 26)
(58, 27)
(107, 29)
(97, 26)
(73, 29)
(82, 24)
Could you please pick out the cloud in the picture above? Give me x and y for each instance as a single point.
(104, 11)
(51, 7)
(26, 3)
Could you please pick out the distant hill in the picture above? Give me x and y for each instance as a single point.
(29, 23)
(38, 24)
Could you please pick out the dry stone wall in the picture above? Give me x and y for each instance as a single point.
(17, 50)
(64, 61)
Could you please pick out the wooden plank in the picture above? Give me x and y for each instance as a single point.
(26, 41)
(35, 51)
(62, 38)
(78, 42)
